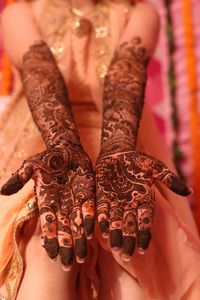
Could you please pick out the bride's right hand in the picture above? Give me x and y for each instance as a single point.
(65, 191)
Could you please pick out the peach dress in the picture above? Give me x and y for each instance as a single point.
(170, 268)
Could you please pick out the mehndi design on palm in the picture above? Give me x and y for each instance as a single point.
(125, 198)
(63, 173)
(64, 186)
(124, 175)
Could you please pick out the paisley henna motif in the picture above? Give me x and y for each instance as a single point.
(124, 96)
(63, 174)
(124, 176)
(47, 97)
(125, 202)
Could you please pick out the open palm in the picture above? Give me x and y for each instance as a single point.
(125, 199)
(65, 191)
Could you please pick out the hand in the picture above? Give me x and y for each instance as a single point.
(125, 200)
(65, 190)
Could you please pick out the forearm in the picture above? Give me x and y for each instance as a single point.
(124, 96)
(47, 97)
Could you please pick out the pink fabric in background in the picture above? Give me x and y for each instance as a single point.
(2, 3)
(157, 94)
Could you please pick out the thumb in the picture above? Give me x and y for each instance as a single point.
(18, 180)
(172, 181)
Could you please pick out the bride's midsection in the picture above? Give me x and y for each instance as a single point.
(88, 120)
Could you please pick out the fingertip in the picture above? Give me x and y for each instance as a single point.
(182, 190)
(129, 243)
(144, 238)
(116, 238)
(66, 255)
(89, 226)
(178, 186)
(12, 186)
(51, 246)
(104, 226)
(80, 247)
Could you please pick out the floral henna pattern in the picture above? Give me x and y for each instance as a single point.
(63, 174)
(47, 97)
(124, 176)
(65, 188)
(124, 96)
(125, 199)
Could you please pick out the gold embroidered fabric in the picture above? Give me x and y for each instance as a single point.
(16, 264)
(95, 25)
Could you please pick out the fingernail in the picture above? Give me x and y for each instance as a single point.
(116, 249)
(105, 235)
(126, 257)
(66, 268)
(141, 251)
(80, 260)
(89, 237)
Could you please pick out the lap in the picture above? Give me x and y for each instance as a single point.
(43, 278)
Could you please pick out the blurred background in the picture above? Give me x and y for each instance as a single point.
(173, 91)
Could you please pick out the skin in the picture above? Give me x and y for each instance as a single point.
(19, 18)
(124, 175)
(63, 174)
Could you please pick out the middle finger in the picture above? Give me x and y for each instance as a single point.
(116, 215)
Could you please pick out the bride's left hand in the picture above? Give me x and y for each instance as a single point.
(125, 198)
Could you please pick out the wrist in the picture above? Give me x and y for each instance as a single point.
(60, 135)
(117, 145)
(118, 133)
(66, 144)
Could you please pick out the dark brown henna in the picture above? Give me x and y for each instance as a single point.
(63, 174)
(47, 97)
(51, 246)
(124, 176)
(12, 186)
(125, 202)
(124, 97)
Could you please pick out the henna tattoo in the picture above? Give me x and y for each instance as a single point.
(63, 174)
(13, 185)
(47, 97)
(66, 206)
(125, 201)
(123, 96)
(124, 176)
(123, 190)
